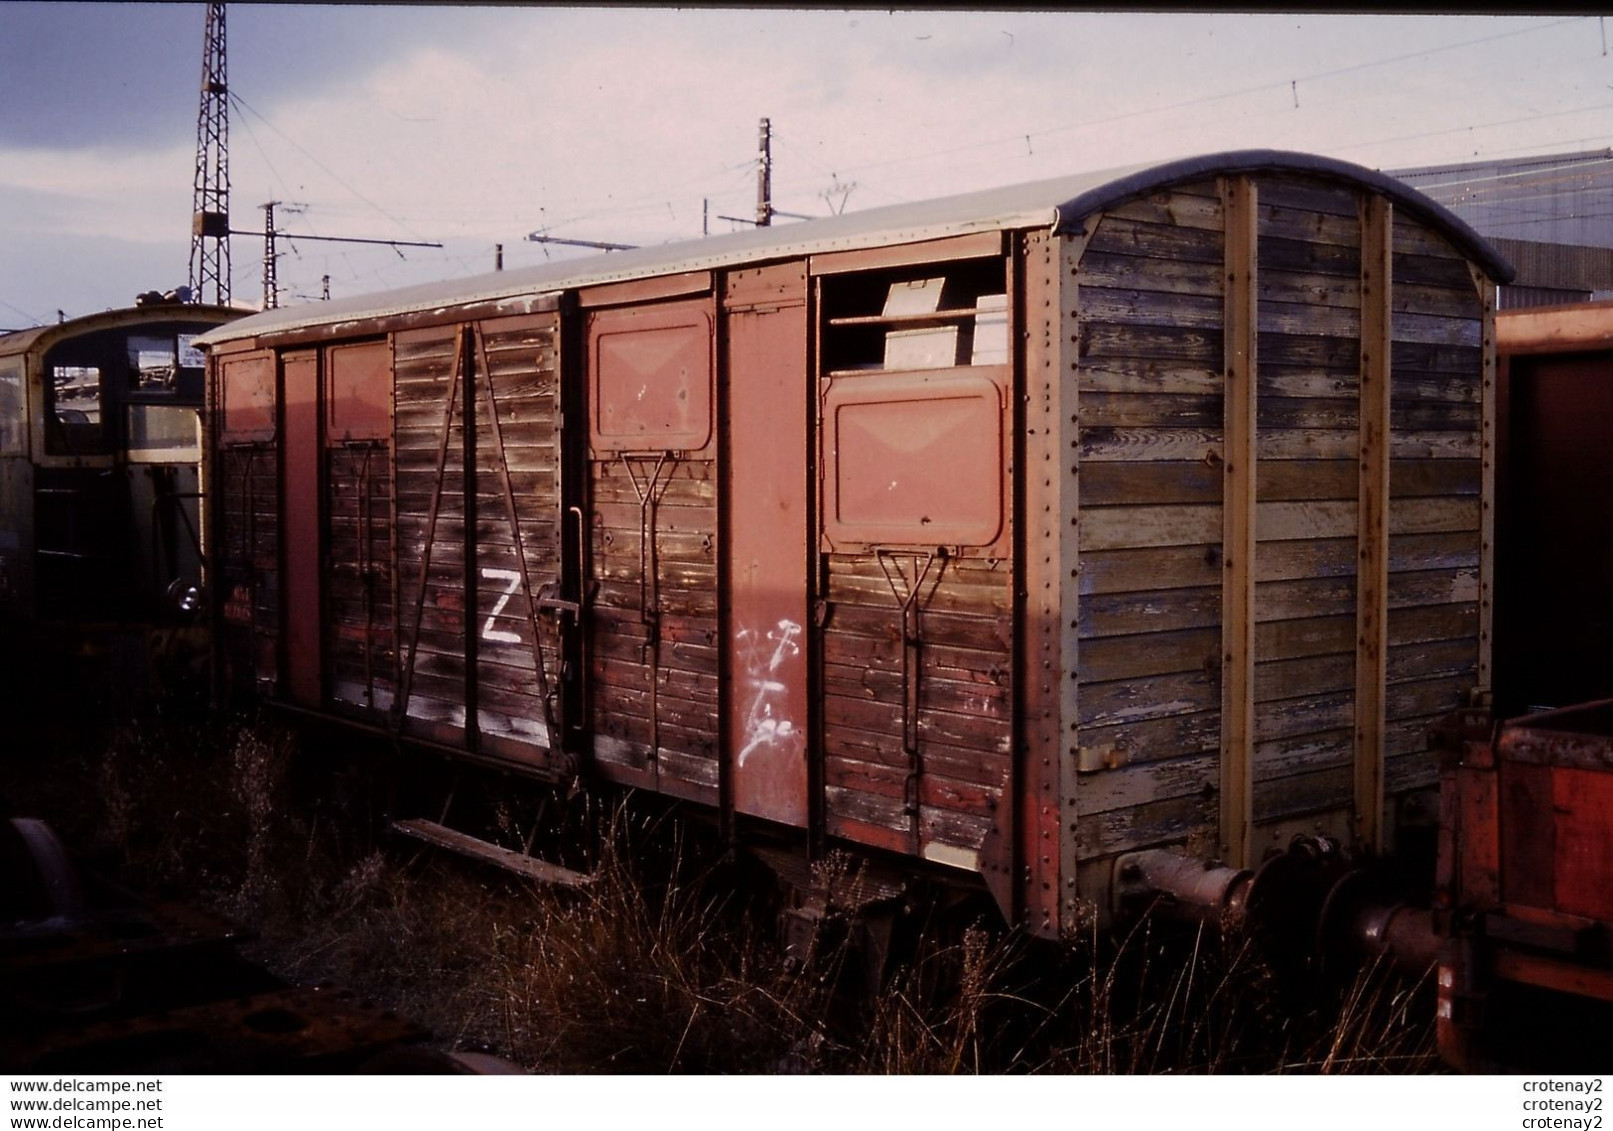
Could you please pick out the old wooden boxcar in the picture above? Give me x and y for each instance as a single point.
(994, 537)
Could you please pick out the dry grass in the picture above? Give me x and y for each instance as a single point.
(669, 961)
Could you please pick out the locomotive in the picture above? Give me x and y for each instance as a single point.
(1040, 541)
(100, 461)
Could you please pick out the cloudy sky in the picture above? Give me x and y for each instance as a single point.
(473, 126)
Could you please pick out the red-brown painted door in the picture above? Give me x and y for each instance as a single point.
(299, 494)
(765, 523)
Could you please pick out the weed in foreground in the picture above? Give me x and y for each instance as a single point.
(669, 960)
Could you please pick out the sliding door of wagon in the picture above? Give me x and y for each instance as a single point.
(915, 582)
(765, 531)
(302, 652)
(478, 514)
(652, 557)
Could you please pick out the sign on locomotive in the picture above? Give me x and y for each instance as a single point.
(1004, 537)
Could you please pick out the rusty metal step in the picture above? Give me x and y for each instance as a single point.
(466, 845)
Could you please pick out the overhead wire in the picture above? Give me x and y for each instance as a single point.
(1282, 84)
(32, 318)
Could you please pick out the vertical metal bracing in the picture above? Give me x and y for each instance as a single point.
(1488, 420)
(909, 593)
(210, 220)
(1239, 203)
(1372, 556)
(271, 278)
(764, 175)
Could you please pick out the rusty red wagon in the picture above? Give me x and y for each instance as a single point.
(994, 539)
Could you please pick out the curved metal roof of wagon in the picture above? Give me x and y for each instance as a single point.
(40, 337)
(1060, 204)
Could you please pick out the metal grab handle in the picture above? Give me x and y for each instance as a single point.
(582, 556)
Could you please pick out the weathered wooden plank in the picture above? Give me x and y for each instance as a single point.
(670, 518)
(1284, 757)
(1170, 821)
(941, 726)
(1296, 413)
(966, 697)
(946, 596)
(1101, 340)
(1152, 697)
(1332, 595)
(1103, 748)
(1151, 410)
(1309, 195)
(1409, 478)
(1311, 675)
(987, 634)
(1431, 270)
(1149, 444)
(1445, 302)
(1434, 416)
(1305, 256)
(1308, 714)
(1159, 653)
(1418, 698)
(1131, 306)
(1436, 329)
(1306, 381)
(1294, 349)
(1306, 290)
(1175, 208)
(1166, 242)
(1309, 319)
(1115, 484)
(1163, 567)
(1136, 784)
(1312, 519)
(1436, 659)
(1113, 528)
(885, 654)
(1107, 444)
(1410, 772)
(1284, 221)
(1304, 480)
(1169, 276)
(1148, 611)
(956, 763)
(934, 789)
(1310, 792)
(1421, 358)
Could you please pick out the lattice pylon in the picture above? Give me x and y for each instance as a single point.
(210, 223)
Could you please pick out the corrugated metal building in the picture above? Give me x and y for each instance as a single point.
(1551, 216)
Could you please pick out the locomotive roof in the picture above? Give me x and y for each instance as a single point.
(1060, 204)
(41, 337)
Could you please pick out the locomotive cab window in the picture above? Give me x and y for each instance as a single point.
(154, 365)
(73, 411)
(13, 418)
(163, 433)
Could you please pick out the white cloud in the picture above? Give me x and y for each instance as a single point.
(615, 123)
